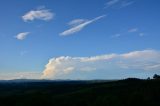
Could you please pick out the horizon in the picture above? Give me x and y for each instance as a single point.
(86, 40)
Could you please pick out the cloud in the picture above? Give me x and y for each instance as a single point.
(126, 3)
(146, 60)
(118, 3)
(39, 14)
(133, 30)
(22, 36)
(78, 24)
(112, 2)
(20, 75)
(141, 34)
(116, 35)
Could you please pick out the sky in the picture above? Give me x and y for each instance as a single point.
(79, 39)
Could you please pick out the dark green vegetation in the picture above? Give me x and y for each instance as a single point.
(129, 92)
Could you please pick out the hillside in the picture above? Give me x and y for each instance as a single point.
(129, 92)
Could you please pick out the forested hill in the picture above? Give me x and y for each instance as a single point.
(129, 92)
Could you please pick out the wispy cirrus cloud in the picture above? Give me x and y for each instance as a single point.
(112, 2)
(118, 3)
(78, 24)
(145, 60)
(39, 14)
(22, 35)
(142, 34)
(19, 75)
(126, 3)
(116, 35)
(136, 30)
(133, 30)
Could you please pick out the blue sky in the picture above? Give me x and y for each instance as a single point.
(79, 38)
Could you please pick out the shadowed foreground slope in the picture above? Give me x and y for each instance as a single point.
(130, 92)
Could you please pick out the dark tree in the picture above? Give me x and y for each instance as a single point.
(156, 76)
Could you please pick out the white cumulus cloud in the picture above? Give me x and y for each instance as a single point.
(78, 24)
(22, 36)
(40, 14)
(146, 60)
